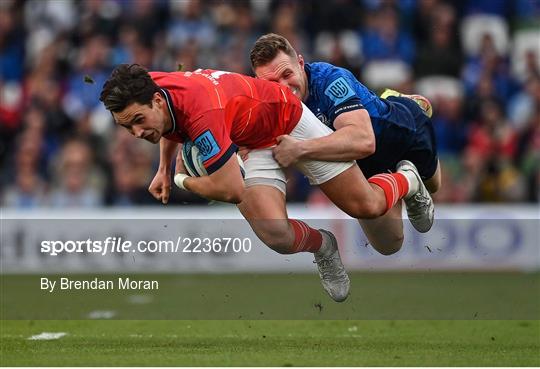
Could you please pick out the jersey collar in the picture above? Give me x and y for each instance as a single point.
(169, 106)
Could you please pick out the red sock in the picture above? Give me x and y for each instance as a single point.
(305, 237)
(394, 185)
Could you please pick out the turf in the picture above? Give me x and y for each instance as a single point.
(375, 296)
(273, 343)
(390, 319)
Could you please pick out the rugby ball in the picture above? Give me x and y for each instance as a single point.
(194, 163)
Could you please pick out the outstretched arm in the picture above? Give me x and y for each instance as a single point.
(353, 139)
(160, 187)
(167, 149)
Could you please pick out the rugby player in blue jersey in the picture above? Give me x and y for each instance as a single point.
(387, 133)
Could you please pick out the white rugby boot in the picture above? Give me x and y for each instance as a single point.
(333, 275)
(418, 201)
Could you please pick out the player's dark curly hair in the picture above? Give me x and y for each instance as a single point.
(267, 47)
(128, 84)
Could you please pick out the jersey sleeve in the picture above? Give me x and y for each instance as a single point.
(209, 133)
(340, 93)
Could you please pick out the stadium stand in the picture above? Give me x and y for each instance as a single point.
(478, 60)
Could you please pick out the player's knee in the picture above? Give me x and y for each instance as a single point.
(390, 245)
(433, 186)
(365, 210)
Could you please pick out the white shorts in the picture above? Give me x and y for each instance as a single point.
(261, 163)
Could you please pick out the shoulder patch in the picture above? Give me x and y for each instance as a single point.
(339, 91)
(207, 145)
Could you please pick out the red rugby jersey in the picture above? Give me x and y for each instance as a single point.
(219, 110)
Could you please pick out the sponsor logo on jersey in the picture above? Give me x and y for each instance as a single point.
(339, 91)
(349, 107)
(207, 145)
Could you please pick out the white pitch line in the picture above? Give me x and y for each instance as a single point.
(48, 336)
(140, 299)
(102, 314)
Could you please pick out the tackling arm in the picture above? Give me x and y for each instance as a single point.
(353, 139)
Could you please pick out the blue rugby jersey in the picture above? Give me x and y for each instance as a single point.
(402, 130)
(334, 90)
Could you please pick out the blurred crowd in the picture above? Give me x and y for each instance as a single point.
(477, 60)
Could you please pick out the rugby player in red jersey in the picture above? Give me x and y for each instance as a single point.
(220, 111)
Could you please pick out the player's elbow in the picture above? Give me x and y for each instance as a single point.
(364, 147)
(234, 195)
(369, 146)
(234, 199)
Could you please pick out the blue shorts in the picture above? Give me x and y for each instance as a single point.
(395, 143)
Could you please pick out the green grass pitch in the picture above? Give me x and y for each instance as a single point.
(217, 320)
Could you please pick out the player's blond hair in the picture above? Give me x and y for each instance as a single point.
(267, 47)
